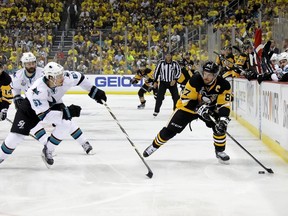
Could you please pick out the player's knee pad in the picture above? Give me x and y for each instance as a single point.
(11, 142)
(167, 134)
(63, 128)
(141, 92)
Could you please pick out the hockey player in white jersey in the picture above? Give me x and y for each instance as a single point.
(21, 81)
(38, 106)
(25, 77)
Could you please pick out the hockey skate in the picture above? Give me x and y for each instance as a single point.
(149, 150)
(155, 114)
(222, 157)
(142, 105)
(47, 157)
(87, 148)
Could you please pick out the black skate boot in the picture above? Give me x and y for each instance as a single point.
(142, 105)
(149, 150)
(222, 157)
(47, 157)
(87, 148)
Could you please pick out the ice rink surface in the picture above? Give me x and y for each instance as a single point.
(188, 179)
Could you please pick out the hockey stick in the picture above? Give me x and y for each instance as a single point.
(150, 173)
(234, 64)
(269, 170)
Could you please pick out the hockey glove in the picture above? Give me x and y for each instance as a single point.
(204, 112)
(97, 94)
(71, 111)
(18, 99)
(150, 88)
(133, 81)
(3, 114)
(221, 126)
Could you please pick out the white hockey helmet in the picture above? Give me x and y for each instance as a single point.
(274, 57)
(283, 56)
(53, 69)
(27, 57)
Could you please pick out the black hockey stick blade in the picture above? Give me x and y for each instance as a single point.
(150, 174)
(269, 170)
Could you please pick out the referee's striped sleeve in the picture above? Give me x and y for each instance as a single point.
(177, 70)
(157, 70)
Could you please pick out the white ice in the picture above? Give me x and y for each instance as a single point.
(187, 181)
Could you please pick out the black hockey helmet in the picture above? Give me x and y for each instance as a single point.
(246, 45)
(211, 67)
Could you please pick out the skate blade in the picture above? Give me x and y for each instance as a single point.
(45, 162)
(90, 153)
(223, 162)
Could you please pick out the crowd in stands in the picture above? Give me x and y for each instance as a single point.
(27, 26)
(112, 36)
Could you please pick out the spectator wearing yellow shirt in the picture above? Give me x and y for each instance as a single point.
(197, 21)
(72, 51)
(108, 69)
(79, 37)
(13, 57)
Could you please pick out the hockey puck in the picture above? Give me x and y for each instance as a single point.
(261, 172)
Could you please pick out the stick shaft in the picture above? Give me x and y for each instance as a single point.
(128, 138)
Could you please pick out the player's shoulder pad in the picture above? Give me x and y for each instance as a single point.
(147, 70)
(6, 78)
(196, 80)
(18, 73)
(230, 55)
(225, 85)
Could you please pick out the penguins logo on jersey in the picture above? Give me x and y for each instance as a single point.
(207, 98)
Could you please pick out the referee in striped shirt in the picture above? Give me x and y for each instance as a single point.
(166, 73)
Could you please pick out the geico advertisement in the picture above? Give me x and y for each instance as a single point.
(113, 83)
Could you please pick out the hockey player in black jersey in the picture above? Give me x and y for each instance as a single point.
(147, 74)
(187, 70)
(225, 62)
(6, 95)
(206, 94)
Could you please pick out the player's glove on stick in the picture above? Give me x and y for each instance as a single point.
(133, 81)
(18, 99)
(97, 94)
(71, 111)
(3, 114)
(204, 111)
(221, 126)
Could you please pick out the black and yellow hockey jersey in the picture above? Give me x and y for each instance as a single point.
(6, 95)
(147, 74)
(196, 93)
(227, 65)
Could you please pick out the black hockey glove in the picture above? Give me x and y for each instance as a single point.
(97, 94)
(133, 81)
(204, 112)
(18, 99)
(221, 126)
(150, 88)
(71, 111)
(3, 114)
